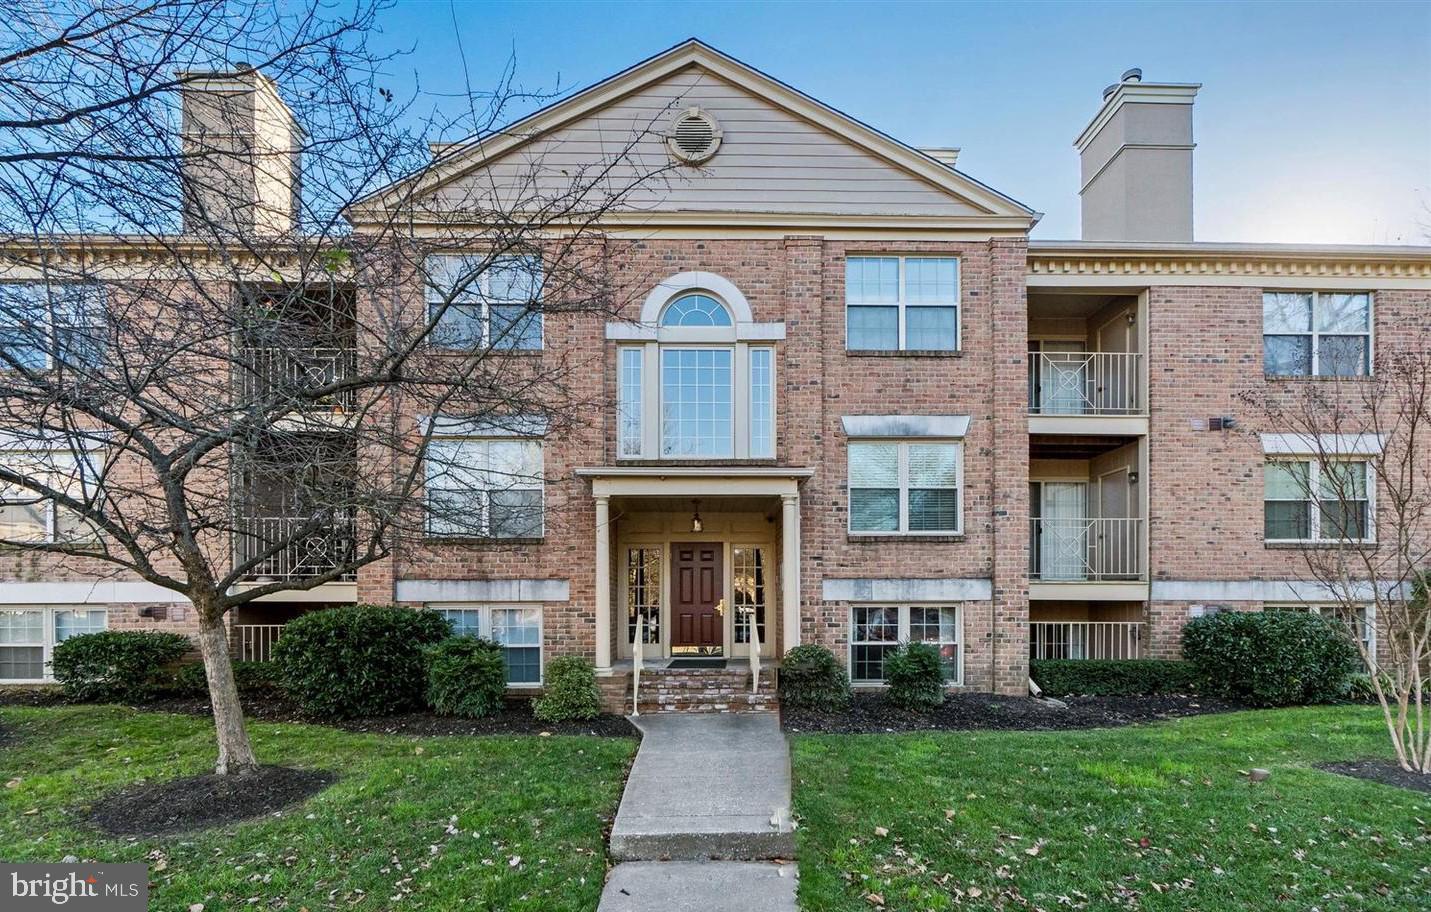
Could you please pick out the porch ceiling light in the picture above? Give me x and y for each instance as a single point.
(696, 524)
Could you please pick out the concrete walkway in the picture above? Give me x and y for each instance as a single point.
(707, 805)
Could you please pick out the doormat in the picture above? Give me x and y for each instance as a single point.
(696, 663)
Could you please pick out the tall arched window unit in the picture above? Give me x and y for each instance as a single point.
(696, 378)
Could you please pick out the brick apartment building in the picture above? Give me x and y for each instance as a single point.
(853, 402)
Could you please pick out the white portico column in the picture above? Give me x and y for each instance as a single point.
(790, 570)
(603, 584)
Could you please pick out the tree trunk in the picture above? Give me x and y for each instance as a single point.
(235, 751)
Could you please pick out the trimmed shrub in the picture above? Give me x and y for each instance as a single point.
(363, 660)
(570, 691)
(250, 677)
(812, 678)
(1114, 678)
(915, 677)
(1271, 658)
(466, 676)
(116, 664)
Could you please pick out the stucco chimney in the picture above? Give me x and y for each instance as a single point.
(241, 170)
(1137, 162)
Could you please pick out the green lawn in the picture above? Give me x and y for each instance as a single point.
(499, 823)
(1148, 817)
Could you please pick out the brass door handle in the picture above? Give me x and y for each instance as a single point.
(720, 607)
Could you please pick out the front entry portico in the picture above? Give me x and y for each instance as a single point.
(696, 591)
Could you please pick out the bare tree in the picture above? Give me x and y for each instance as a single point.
(210, 375)
(1372, 557)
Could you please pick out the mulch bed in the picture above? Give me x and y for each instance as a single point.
(515, 718)
(873, 714)
(1384, 771)
(203, 802)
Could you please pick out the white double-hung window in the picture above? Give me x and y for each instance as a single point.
(28, 636)
(901, 303)
(1310, 500)
(906, 486)
(516, 628)
(700, 385)
(481, 304)
(27, 515)
(1316, 334)
(484, 487)
(877, 630)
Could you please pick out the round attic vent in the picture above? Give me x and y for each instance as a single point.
(694, 136)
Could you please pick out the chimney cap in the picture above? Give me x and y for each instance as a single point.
(1133, 74)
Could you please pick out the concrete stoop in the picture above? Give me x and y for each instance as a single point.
(705, 810)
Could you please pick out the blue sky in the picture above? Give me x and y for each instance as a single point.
(1313, 124)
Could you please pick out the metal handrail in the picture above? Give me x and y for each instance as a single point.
(1086, 548)
(1085, 383)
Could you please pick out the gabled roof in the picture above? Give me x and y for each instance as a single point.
(462, 158)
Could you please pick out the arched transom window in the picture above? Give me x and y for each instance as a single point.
(696, 310)
(702, 384)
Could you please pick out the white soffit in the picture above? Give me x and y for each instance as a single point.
(1317, 444)
(905, 425)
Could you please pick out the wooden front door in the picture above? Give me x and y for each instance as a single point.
(697, 602)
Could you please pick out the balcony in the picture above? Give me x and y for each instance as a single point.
(254, 642)
(1085, 383)
(278, 374)
(1099, 640)
(1090, 549)
(285, 551)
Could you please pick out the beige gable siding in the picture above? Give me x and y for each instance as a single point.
(769, 161)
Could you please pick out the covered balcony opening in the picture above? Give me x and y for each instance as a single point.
(293, 501)
(1087, 630)
(256, 628)
(294, 341)
(1086, 355)
(1086, 510)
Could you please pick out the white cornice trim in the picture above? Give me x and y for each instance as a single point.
(684, 471)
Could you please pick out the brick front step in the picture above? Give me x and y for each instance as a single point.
(694, 690)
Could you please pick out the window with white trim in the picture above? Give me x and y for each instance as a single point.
(1307, 500)
(1359, 620)
(906, 486)
(877, 630)
(516, 628)
(47, 323)
(710, 401)
(498, 305)
(1316, 333)
(643, 593)
(28, 516)
(28, 637)
(485, 487)
(901, 303)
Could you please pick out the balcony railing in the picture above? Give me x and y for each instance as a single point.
(1088, 549)
(1085, 639)
(1085, 383)
(277, 373)
(255, 641)
(294, 553)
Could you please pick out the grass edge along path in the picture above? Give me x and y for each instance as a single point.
(500, 823)
(1153, 817)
